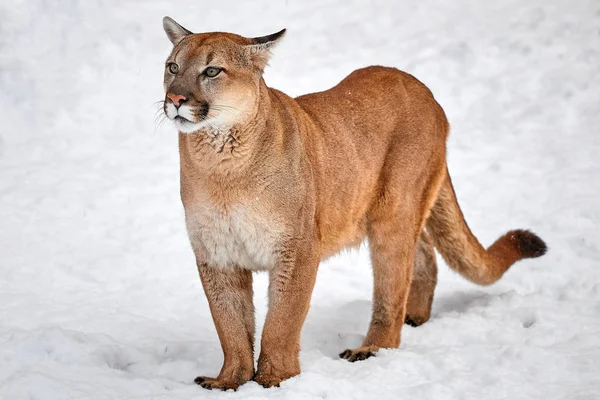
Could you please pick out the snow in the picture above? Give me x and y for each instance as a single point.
(99, 295)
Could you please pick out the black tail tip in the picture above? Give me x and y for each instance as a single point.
(529, 244)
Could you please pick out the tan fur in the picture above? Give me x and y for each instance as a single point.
(424, 279)
(273, 183)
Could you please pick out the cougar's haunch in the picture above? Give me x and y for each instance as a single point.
(273, 183)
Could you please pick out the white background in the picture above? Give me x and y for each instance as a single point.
(99, 294)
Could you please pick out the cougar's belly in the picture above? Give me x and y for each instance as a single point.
(238, 238)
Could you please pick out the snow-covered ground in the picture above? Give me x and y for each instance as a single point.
(99, 295)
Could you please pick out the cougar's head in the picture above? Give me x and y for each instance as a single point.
(212, 79)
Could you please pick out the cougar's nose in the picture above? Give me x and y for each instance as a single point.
(177, 99)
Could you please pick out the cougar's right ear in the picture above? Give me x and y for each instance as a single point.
(175, 32)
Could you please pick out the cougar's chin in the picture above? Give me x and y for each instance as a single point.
(186, 126)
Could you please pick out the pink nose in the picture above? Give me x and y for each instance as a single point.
(176, 98)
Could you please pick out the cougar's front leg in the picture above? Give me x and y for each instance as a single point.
(229, 294)
(290, 288)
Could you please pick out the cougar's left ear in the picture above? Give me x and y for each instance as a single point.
(175, 32)
(259, 51)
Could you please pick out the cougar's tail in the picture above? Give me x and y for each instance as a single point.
(463, 252)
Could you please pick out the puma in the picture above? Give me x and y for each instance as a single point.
(269, 182)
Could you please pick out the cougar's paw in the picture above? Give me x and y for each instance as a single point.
(215, 383)
(272, 371)
(362, 353)
(268, 380)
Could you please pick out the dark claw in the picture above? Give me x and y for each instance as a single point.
(268, 385)
(202, 381)
(363, 356)
(413, 322)
(356, 356)
(345, 354)
(199, 380)
(212, 383)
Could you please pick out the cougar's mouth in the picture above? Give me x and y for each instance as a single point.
(182, 120)
(189, 119)
(186, 125)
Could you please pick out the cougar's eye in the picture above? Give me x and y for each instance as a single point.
(211, 72)
(173, 68)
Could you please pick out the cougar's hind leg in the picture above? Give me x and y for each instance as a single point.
(408, 188)
(420, 297)
(393, 236)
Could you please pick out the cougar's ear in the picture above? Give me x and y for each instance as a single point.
(259, 51)
(175, 32)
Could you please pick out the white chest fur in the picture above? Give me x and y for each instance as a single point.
(241, 237)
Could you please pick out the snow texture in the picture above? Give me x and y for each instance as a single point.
(99, 294)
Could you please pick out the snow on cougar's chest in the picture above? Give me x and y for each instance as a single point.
(239, 237)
